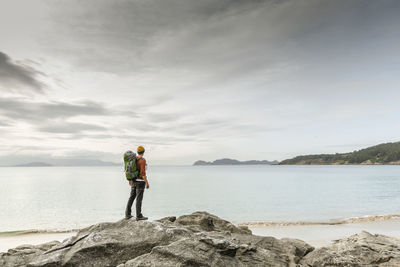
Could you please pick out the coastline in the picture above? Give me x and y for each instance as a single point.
(9, 240)
(365, 218)
(317, 234)
(323, 234)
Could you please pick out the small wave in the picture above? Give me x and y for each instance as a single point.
(36, 231)
(366, 218)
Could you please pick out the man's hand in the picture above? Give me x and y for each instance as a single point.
(130, 182)
(147, 182)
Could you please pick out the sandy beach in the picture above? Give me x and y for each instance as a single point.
(319, 235)
(8, 241)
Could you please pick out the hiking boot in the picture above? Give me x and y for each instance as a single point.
(128, 217)
(141, 218)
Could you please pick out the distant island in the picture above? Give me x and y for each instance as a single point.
(388, 153)
(227, 161)
(34, 164)
(382, 154)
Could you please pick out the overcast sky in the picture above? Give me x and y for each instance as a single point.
(191, 79)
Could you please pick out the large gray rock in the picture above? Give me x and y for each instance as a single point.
(109, 244)
(23, 254)
(362, 249)
(198, 239)
(208, 222)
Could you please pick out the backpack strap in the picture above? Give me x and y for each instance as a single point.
(137, 160)
(128, 167)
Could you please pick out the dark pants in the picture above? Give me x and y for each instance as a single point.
(137, 191)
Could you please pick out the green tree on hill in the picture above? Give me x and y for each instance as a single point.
(388, 153)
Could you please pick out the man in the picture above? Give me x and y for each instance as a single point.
(137, 187)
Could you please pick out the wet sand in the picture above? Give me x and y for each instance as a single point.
(320, 235)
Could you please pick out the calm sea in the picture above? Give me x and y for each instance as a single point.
(62, 198)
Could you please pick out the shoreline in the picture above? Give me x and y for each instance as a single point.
(19, 238)
(350, 220)
(336, 221)
(317, 234)
(35, 231)
(321, 235)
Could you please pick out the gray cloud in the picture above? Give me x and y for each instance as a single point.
(17, 77)
(70, 127)
(18, 109)
(53, 117)
(220, 41)
(127, 140)
(160, 35)
(4, 124)
(171, 131)
(162, 117)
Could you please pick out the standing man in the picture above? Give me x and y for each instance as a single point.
(137, 187)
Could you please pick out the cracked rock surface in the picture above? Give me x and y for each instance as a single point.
(362, 249)
(198, 239)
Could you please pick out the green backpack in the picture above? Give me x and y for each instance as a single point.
(131, 172)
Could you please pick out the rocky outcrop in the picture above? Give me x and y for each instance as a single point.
(362, 249)
(23, 254)
(198, 239)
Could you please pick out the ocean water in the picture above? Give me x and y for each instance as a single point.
(63, 198)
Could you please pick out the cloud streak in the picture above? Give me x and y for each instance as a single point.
(17, 109)
(54, 117)
(71, 127)
(16, 77)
